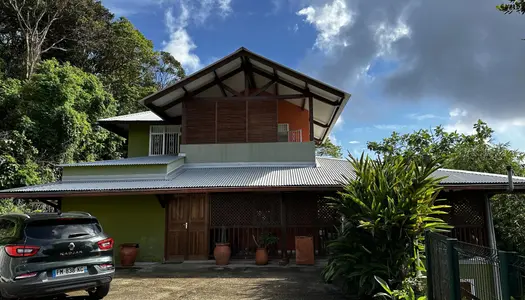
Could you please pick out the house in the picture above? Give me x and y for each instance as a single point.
(233, 147)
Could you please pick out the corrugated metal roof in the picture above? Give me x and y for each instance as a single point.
(328, 102)
(133, 161)
(465, 177)
(145, 116)
(329, 172)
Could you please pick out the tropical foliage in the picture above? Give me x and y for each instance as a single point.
(474, 152)
(385, 210)
(517, 6)
(405, 293)
(328, 148)
(63, 65)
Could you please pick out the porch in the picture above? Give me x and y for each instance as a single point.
(195, 222)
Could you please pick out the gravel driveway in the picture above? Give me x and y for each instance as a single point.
(232, 284)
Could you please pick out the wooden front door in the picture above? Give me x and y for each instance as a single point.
(187, 227)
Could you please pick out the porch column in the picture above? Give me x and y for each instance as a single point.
(311, 117)
(490, 222)
(284, 240)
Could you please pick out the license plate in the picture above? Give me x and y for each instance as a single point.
(69, 271)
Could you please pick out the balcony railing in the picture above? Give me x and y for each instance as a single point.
(295, 136)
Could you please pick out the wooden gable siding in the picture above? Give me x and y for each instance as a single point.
(229, 121)
(262, 121)
(199, 122)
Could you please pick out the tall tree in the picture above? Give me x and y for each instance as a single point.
(61, 124)
(35, 18)
(328, 148)
(168, 70)
(85, 34)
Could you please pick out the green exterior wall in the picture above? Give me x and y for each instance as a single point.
(127, 219)
(114, 170)
(138, 140)
(249, 152)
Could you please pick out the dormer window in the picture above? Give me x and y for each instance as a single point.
(163, 140)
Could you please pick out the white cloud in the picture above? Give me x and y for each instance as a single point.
(339, 123)
(421, 117)
(386, 35)
(354, 142)
(329, 20)
(180, 43)
(295, 27)
(334, 140)
(505, 130)
(390, 126)
(458, 112)
(225, 7)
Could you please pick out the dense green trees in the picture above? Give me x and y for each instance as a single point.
(328, 148)
(475, 152)
(63, 65)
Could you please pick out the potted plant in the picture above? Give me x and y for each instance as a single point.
(222, 249)
(265, 240)
(128, 254)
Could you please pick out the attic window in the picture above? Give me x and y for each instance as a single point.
(163, 140)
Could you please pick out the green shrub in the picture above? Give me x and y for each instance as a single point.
(385, 210)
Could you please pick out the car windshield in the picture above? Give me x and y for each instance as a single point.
(62, 228)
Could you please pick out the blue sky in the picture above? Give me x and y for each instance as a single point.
(405, 69)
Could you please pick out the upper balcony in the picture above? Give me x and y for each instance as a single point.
(243, 103)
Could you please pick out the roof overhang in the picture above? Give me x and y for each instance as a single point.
(490, 189)
(121, 127)
(230, 75)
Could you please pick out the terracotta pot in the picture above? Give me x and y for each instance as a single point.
(261, 256)
(128, 254)
(222, 253)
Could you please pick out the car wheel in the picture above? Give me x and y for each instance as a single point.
(100, 292)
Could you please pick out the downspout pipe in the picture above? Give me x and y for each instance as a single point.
(510, 172)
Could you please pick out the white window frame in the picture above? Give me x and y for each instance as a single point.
(283, 128)
(163, 130)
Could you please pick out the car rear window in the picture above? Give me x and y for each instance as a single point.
(62, 229)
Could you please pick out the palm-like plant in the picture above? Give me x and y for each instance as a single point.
(385, 210)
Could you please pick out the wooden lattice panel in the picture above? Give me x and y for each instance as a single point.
(245, 209)
(467, 210)
(309, 209)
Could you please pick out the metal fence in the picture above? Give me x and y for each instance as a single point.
(478, 272)
(461, 271)
(512, 275)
